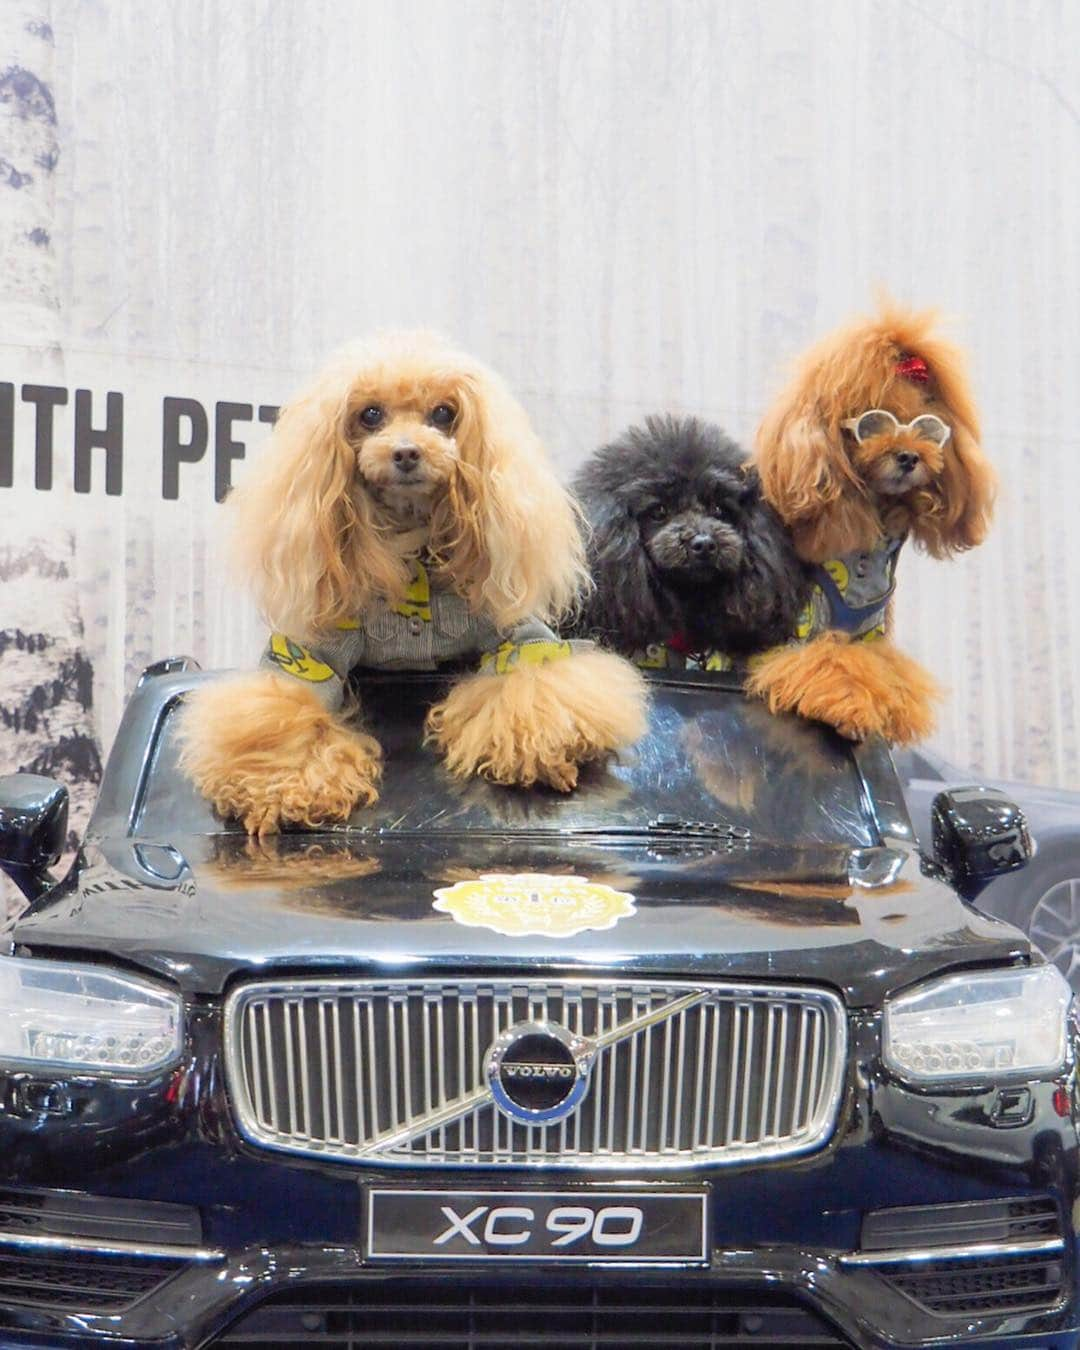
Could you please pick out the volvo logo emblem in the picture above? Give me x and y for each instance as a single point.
(538, 1072)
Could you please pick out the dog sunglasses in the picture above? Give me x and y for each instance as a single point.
(879, 422)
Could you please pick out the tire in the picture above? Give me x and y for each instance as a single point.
(1047, 908)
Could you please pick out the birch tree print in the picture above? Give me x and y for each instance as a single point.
(46, 681)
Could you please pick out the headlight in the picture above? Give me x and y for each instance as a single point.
(82, 1017)
(988, 1023)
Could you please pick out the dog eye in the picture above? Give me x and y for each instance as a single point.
(657, 512)
(371, 416)
(442, 415)
(720, 510)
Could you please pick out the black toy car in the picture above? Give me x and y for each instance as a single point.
(702, 1054)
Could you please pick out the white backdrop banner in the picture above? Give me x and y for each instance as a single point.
(625, 208)
(111, 474)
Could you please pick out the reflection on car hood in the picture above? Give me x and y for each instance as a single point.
(709, 755)
(206, 909)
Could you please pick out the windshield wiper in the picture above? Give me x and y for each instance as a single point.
(718, 833)
(710, 829)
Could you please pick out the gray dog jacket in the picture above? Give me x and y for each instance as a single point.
(429, 626)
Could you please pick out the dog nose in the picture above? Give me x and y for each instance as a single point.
(906, 460)
(703, 546)
(406, 457)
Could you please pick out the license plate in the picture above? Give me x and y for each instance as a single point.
(586, 1225)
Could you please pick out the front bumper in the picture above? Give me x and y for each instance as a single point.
(773, 1296)
(788, 1239)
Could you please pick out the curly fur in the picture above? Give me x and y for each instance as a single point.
(264, 750)
(859, 688)
(741, 595)
(822, 484)
(539, 724)
(318, 550)
(327, 524)
(837, 496)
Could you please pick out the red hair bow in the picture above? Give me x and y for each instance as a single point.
(913, 368)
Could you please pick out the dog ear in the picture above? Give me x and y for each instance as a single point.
(622, 607)
(955, 510)
(953, 513)
(773, 582)
(508, 532)
(808, 479)
(303, 539)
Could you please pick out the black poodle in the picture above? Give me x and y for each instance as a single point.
(685, 554)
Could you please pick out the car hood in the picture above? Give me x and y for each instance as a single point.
(204, 911)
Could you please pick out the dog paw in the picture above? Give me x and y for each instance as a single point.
(338, 779)
(851, 731)
(539, 724)
(561, 773)
(267, 754)
(910, 709)
(860, 689)
(262, 819)
(852, 715)
(830, 680)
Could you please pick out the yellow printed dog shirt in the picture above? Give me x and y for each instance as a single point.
(429, 626)
(851, 593)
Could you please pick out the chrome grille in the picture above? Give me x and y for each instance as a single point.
(392, 1071)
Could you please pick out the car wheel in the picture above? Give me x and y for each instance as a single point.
(1054, 927)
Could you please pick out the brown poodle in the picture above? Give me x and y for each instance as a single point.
(405, 517)
(875, 440)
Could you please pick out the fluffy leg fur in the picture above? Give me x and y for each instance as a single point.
(860, 688)
(264, 750)
(910, 710)
(538, 724)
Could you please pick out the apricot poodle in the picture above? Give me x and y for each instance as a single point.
(875, 440)
(405, 517)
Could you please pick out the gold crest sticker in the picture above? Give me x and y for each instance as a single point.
(534, 903)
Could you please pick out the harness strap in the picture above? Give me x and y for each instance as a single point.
(849, 618)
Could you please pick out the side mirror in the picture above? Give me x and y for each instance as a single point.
(979, 834)
(33, 827)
